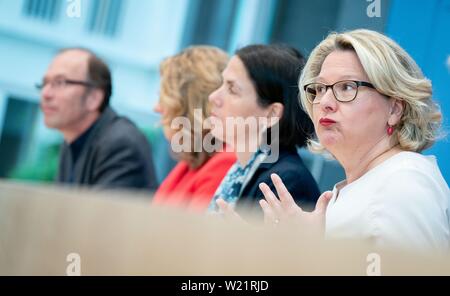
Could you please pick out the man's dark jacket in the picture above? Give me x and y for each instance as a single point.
(114, 154)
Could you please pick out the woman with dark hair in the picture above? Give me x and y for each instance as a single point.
(256, 111)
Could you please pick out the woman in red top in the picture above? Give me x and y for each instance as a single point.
(187, 79)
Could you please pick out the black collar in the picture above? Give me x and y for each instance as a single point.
(77, 146)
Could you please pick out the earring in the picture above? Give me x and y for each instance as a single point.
(390, 130)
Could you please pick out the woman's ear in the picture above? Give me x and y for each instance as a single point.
(275, 113)
(397, 108)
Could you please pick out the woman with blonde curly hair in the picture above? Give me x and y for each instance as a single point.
(373, 111)
(187, 79)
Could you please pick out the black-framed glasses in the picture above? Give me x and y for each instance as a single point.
(344, 91)
(60, 83)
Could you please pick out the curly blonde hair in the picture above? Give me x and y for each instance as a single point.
(187, 79)
(393, 73)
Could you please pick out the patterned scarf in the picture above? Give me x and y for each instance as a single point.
(230, 188)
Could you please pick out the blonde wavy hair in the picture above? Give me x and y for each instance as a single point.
(187, 79)
(393, 73)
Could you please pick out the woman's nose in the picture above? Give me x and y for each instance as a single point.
(157, 108)
(214, 97)
(328, 101)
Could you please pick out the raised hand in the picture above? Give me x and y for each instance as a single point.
(284, 210)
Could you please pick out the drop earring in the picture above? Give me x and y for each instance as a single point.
(390, 130)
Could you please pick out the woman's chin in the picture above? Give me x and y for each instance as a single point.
(328, 141)
(168, 133)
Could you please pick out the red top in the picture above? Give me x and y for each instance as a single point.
(194, 188)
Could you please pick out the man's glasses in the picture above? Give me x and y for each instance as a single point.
(61, 83)
(344, 91)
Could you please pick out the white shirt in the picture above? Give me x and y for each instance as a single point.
(401, 203)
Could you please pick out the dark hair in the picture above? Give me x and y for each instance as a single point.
(274, 71)
(98, 73)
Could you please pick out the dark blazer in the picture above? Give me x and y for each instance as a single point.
(115, 154)
(296, 177)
